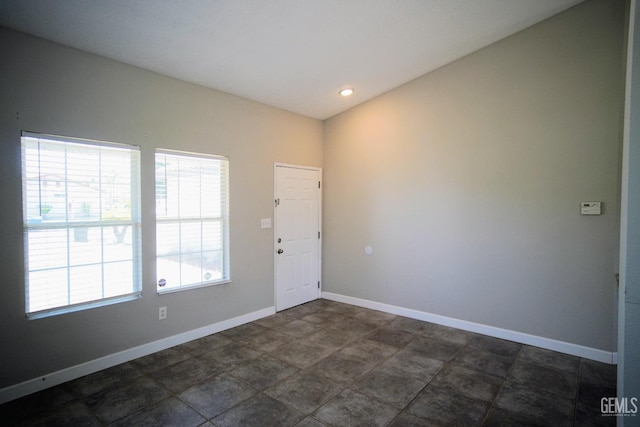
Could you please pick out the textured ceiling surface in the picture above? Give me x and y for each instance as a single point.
(291, 54)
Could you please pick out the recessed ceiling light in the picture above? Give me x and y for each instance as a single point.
(346, 92)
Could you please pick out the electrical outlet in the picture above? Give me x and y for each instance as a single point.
(162, 313)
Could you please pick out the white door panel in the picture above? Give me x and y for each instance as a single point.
(297, 227)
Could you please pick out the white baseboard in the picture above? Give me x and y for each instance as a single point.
(50, 380)
(506, 334)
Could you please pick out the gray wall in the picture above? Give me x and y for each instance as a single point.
(48, 88)
(629, 344)
(467, 183)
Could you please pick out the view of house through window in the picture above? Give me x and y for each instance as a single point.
(191, 220)
(81, 222)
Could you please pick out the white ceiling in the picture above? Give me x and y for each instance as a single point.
(292, 54)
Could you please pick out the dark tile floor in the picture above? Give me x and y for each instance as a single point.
(327, 363)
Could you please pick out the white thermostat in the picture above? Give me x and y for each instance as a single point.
(590, 208)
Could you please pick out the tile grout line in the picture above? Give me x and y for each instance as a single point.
(504, 380)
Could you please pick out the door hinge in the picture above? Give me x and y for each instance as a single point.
(318, 284)
(318, 184)
(318, 234)
(277, 202)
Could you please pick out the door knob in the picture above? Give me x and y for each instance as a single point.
(280, 251)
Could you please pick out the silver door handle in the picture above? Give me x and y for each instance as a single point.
(280, 251)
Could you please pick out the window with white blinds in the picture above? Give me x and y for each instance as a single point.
(192, 220)
(81, 209)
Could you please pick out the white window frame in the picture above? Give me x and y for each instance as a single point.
(70, 225)
(179, 220)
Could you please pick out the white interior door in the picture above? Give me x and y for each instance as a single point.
(297, 235)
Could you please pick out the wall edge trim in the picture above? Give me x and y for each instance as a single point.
(507, 334)
(52, 379)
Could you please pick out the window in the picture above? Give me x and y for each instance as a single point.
(81, 214)
(192, 220)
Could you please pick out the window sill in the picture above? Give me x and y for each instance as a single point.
(82, 306)
(189, 287)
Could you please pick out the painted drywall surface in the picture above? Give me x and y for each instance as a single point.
(467, 184)
(52, 89)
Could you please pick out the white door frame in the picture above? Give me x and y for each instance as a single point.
(275, 225)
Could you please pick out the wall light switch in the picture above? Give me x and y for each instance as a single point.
(265, 223)
(590, 208)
